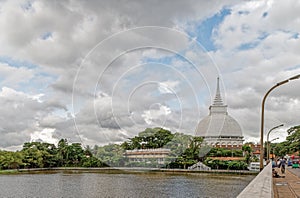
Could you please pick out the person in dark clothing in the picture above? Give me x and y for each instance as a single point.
(282, 165)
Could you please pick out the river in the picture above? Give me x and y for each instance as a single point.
(127, 184)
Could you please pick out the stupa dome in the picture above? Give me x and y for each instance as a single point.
(218, 126)
(222, 125)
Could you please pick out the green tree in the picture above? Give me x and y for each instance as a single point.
(62, 152)
(227, 165)
(39, 155)
(92, 161)
(190, 151)
(179, 143)
(111, 154)
(247, 152)
(293, 138)
(280, 149)
(149, 138)
(10, 160)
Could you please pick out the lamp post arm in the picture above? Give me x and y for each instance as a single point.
(261, 160)
(262, 117)
(268, 142)
(268, 135)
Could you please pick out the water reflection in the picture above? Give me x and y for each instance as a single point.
(82, 184)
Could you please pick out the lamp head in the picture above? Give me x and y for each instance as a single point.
(274, 139)
(295, 77)
(277, 126)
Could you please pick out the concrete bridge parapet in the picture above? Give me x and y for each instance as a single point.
(260, 186)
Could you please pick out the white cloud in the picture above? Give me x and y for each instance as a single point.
(13, 76)
(46, 135)
(156, 112)
(256, 46)
(168, 87)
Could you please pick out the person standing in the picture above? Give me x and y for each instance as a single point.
(278, 162)
(282, 165)
(274, 165)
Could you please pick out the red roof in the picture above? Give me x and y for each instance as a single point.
(256, 152)
(228, 158)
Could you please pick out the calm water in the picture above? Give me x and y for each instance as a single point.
(83, 184)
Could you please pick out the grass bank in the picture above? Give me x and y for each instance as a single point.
(6, 172)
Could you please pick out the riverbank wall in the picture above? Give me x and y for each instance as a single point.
(126, 169)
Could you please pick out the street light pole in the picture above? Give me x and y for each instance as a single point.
(268, 143)
(269, 146)
(261, 160)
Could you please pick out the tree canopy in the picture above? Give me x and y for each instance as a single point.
(290, 145)
(149, 138)
(293, 138)
(45, 155)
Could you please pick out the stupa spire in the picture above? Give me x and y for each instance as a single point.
(218, 99)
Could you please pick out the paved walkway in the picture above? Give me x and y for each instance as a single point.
(288, 186)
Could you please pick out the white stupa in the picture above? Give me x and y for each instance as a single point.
(218, 128)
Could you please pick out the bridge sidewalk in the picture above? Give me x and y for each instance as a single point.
(289, 186)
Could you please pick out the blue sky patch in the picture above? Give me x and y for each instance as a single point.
(39, 81)
(265, 14)
(164, 60)
(294, 67)
(27, 6)
(204, 30)
(243, 12)
(16, 63)
(263, 35)
(246, 46)
(46, 35)
(255, 43)
(296, 35)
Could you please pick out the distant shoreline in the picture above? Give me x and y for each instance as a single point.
(114, 170)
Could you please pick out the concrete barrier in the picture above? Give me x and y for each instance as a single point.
(260, 186)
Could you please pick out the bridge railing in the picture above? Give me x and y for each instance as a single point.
(260, 186)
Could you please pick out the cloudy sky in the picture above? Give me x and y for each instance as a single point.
(99, 72)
